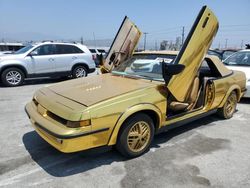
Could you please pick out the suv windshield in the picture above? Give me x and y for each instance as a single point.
(241, 58)
(146, 66)
(24, 49)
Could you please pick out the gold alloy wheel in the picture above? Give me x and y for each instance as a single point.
(230, 105)
(139, 136)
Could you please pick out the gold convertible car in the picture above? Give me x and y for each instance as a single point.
(138, 96)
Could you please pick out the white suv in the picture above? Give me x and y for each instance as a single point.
(47, 59)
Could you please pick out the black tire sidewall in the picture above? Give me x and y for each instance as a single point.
(74, 71)
(4, 73)
(122, 145)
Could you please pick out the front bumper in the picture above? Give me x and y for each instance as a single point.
(62, 138)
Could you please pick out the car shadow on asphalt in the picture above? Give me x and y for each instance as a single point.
(245, 100)
(40, 81)
(45, 81)
(60, 164)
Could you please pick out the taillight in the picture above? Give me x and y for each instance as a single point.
(93, 57)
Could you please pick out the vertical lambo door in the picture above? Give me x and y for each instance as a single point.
(191, 56)
(123, 45)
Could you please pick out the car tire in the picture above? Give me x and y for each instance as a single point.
(135, 136)
(228, 109)
(12, 77)
(79, 71)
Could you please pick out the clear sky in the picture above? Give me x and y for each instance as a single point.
(162, 19)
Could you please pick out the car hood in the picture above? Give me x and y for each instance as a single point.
(94, 89)
(10, 56)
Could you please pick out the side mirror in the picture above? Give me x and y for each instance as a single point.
(172, 69)
(33, 53)
(168, 70)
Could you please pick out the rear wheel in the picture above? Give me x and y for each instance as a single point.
(229, 107)
(135, 136)
(79, 71)
(12, 77)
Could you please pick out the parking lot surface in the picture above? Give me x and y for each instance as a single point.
(206, 153)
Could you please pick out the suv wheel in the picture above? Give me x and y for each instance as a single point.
(135, 136)
(12, 77)
(79, 71)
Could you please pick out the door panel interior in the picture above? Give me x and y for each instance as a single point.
(123, 45)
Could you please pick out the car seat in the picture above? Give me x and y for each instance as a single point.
(191, 98)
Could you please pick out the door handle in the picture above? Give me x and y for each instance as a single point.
(74, 57)
(51, 59)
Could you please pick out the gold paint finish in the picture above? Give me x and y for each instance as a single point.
(192, 55)
(138, 136)
(107, 101)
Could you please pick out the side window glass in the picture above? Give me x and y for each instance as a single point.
(76, 50)
(44, 50)
(67, 49)
(92, 50)
(245, 60)
(59, 49)
(226, 54)
(204, 64)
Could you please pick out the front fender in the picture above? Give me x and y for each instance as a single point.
(129, 112)
(12, 63)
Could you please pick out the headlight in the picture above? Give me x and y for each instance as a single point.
(77, 124)
(35, 100)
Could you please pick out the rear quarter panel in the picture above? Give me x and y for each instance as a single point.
(224, 86)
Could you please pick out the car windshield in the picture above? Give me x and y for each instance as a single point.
(241, 58)
(24, 49)
(147, 66)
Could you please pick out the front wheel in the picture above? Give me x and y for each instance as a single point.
(12, 77)
(135, 136)
(79, 71)
(229, 107)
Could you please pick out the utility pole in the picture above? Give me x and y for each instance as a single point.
(182, 35)
(241, 46)
(226, 43)
(81, 40)
(94, 39)
(156, 45)
(145, 40)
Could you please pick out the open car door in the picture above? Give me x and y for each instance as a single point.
(123, 45)
(192, 53)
